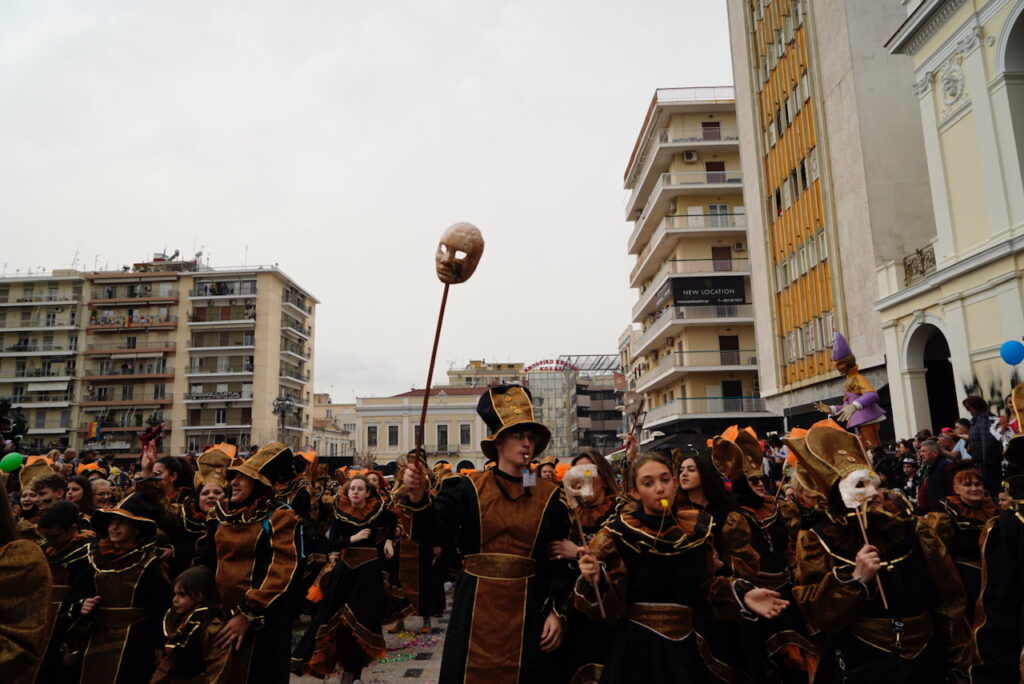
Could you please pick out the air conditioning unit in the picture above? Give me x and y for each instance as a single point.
(670, 341)
(740, 246)
(690, 157)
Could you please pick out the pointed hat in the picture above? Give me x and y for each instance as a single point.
(840, 347)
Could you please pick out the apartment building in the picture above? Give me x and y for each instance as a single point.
(948, 302)
(693, 355)
(480, 373)
(215, 354)
(835, 185)
(40, 352)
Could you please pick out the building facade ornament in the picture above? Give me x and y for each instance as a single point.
(924, 85)
(931, 27)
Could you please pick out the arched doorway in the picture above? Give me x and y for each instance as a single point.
(932, 381)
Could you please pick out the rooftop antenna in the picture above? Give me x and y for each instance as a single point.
(74, 259)
(245, 259)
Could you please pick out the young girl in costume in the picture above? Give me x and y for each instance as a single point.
(191, 653)
(654, 567)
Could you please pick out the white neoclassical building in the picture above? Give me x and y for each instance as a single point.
(948, 306)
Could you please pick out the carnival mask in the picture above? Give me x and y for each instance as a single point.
(458, 253)
(579, 483)
(858, 488)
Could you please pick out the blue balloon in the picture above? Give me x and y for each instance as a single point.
(1012, 352)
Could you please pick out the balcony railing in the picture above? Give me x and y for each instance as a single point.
(295, 374)
(118, 322)
(682, 314)
(297, 349)
(295, 327)
(113, 421)
(59, 298)
(444, 448)
(100, 294)
(297, 302)
(682, 180)
(148, 369)
(137, 397)
(221, 370)
(705, 405)
(217, 344)
(233, 317)
(223, 290)
(918, 265)
(217, 396)
(37, 373)
(28, 399)
(686, 136)
(40, 322)
(121, 346)
(680, 225)
(36, 347)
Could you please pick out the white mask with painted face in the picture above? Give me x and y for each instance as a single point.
(859, 487)
(579, 483)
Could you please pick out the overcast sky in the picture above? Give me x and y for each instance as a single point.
(339, 139)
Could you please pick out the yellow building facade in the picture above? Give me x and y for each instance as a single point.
(835, 186)
(948, 305)
(693, 351)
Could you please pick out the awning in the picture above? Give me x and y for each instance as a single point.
(47, 386)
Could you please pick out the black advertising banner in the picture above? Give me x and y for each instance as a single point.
(709, 290)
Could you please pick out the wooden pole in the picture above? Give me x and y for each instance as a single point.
(430, 374)
(583, 540)
(864, 532)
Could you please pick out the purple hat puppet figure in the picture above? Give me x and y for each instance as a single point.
(860, 410)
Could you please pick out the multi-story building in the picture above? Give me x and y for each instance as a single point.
(694, 355)
(950, 300)
(214, 354)
(479, 373)
(40, 353)
(835, 185)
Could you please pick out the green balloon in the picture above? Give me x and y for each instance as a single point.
(11, 462)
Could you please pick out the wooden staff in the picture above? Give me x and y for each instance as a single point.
(430, 374)
(458, 254)
(595, 582)
(864, 532)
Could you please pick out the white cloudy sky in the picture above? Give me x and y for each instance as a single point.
(338, 139)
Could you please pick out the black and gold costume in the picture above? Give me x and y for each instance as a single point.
(66, 564)
(191, 654)
(24, 610)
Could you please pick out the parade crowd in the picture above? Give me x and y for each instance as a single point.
(802, 557)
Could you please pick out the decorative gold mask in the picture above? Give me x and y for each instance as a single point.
(458, 253)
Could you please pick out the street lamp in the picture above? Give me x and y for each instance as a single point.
(283, 405)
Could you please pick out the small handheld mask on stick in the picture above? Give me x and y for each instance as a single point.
(579, 483)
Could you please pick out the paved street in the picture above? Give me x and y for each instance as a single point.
(412, 657)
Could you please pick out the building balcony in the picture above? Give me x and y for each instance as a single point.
(137, 399)
(234, 319)
(296, 328)
(221, 291)
(48, 299)
(678, 364)
(704, 407)
(49, 430)
(41, 400)
(38, 349)
(195, 397)
(297, 304)
(296, 375)
(21, 374)
(658, 244)
(106, 324)
(692, 267)
(675, 319)
(217, 346)
(40, 324)
(698, 184)
(299, 351)
(105, 297)
(218, 427)
(136, 373)
(120, 424)
(241, 369)
(663, 144)
(154, 348)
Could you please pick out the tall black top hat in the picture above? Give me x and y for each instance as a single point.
(504, 407)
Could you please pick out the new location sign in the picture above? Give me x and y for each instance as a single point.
(710, 290)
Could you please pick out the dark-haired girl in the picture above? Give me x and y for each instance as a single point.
(655, 567)
(347, 625)
(191, 654)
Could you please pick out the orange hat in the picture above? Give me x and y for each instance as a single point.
(309, 456)
(560, 470)
(82, 467)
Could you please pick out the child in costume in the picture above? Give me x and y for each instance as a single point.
(191, 653)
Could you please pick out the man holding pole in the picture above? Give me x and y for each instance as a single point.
(507, 614)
